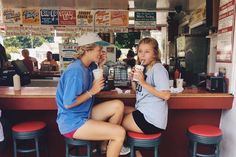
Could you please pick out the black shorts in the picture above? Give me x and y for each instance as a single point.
(145, 126)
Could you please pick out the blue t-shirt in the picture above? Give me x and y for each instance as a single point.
(154, 109)
(75, 80)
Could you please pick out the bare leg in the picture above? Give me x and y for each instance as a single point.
(129, 124)
(96, 129)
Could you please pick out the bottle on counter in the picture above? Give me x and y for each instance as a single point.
(16, 82)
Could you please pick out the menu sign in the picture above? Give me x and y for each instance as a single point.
(119, 18)
(145, 20)
(225, 31)
(12, 16)
(85, 18)
(67, 17)
(102, 18)
(30, 16)
(49, 17)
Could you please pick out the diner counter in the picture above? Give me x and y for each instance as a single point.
(43, 98)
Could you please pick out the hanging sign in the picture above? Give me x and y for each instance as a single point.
(49, 17)
(12, 16)
(67, 17)
(30, 16)
(102, 18)
(145, 20)
(85, 18)
(119, 18)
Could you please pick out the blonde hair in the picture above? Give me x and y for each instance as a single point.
(82, 49)
(155, 46)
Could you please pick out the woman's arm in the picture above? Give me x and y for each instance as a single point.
(165, 94)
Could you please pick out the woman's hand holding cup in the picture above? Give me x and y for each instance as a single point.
(98, 85)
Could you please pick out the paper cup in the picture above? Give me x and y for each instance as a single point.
(179, 82)
(137, 68)
(98, 74)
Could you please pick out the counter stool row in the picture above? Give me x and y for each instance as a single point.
(206, 135)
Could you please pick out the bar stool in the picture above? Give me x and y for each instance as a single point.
(32, 130)
(76, 143)
(208, 135)
(135, 139)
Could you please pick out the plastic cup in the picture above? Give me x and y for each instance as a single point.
(171, 83)
(137, 68)
(179, 83)
(98, 74)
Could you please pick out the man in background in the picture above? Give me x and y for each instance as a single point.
(49, 64)
(30, 62)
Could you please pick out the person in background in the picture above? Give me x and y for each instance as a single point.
(49, 64)
(30, 62)
(152, 92)
(76, 116)
(130, 61)
(3, 58)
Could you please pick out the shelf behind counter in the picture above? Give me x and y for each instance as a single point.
(43, 98)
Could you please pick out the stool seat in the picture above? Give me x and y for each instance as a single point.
(140, 140)
(205, 130)
(29, 126)
(142, 136)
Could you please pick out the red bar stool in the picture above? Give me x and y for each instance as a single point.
(207, 135)
(135, 139)
(32, 130)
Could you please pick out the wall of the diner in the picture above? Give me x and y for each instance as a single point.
(228, 118)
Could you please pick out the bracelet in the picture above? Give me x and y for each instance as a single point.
(90, 94)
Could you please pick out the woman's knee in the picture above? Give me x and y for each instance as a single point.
(120, 133)
(118, 105)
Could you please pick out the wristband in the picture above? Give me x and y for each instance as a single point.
(90, 94)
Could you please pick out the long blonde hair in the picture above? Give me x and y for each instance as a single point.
(155, 46)
(82, 49)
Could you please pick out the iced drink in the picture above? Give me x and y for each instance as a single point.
(98, 74)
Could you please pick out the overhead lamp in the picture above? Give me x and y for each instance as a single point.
(131, 4)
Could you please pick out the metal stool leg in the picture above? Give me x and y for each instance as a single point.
(14, 144)
(67, 150)
(89, 150)
(37, 146)
(156, 151)
(194, 153)
(132, 151)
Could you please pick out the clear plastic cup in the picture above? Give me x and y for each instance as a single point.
(179, 82)
(98, 74)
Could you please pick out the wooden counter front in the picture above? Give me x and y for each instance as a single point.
(43, 98)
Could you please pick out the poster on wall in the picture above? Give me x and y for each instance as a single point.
(49, 17)
(30, 16)
(67, 17)
(102, 18)
(66, 51)
(145, 20)
(12, 16)
(85, 18)
(225, 31)
(119, 18)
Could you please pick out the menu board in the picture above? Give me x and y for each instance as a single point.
(30, 16)
(119, 18)
(67, 17)
(85, 18)
(49, 17)
(66, 51)
(12, 16)
(102, 18)
(145, 20)
(225, 31)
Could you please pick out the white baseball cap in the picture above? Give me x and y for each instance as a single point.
(90, 38)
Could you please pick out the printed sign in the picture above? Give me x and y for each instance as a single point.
(119, 18)
(30, 16)
(145, 20)
(67, 17)
(49, 17)
(85, 18)
(12, 16)
(102, 18)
